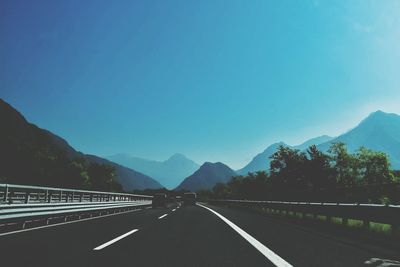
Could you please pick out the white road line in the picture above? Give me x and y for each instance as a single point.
(115, 239)
(58, 224)
(269, 254)
(162, 216)
(174, 210)
(381, 262)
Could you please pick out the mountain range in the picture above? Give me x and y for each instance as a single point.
(208, 175)
(261, 161)
(379, 131)
(169, 173)
(23, 144)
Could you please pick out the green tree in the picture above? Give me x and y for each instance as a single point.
(220, 190)
(77, 174)
(287, 169)
(374, 166)
(319, 172)
(102, 177)
(344, 164)
(205, 194)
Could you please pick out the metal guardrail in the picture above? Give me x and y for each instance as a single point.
(22, 194)
(378, 213)
(21, 204)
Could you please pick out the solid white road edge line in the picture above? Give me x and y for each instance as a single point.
(58, 224)
(269, 254)
(115, 240)
(162, 216)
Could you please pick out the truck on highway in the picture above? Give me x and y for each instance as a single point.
(189, 198)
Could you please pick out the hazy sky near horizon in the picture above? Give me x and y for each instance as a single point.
(214, 80)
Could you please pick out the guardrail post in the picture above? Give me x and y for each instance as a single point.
(6, 193)
(73, 196)
(27, 196)
(91, 197)
(60, 197)
(81, 197)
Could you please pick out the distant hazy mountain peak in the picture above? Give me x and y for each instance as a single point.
(169, 172)
(274, 146)
(379, 131)
(207, 176)
(380, 115)
(314, 141)
(380, 112)
(208, 165)
(177, 157)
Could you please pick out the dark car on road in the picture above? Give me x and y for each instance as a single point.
(189, 198)
(178, 199)
(159, 200)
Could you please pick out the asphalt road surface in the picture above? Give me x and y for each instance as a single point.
(184, 236)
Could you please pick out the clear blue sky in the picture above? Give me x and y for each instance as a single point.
(215, 80)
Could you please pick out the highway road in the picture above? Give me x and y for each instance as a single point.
(184, 236)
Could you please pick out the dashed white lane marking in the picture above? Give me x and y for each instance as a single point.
(162, 216)
(269, 254)
(115, 240)
(174, 210)
(382, 262)
(58, 224)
